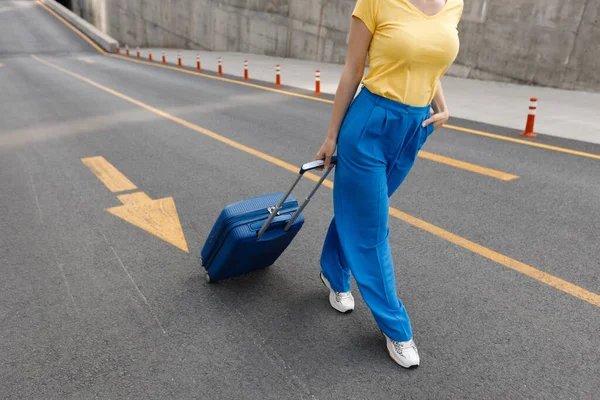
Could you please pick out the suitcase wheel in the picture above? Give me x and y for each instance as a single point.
(207, 277)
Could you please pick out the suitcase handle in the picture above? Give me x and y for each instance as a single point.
(306, 167)
(316, 164)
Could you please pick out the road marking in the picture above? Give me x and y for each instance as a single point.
(429, 156)
(513, 264)
(112, 178)
(86, 60)
(444, 160)
(77, 31)
(218, 78)
(314, 98)
(501, 259)
(520, 141)
(468, 166)
(157, 217)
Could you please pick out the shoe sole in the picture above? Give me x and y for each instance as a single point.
(327, 286)
(415, 366)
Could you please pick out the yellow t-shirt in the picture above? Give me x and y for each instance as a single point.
(410, 51)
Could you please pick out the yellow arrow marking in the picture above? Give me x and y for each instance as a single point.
(157, 217)
(114, 180)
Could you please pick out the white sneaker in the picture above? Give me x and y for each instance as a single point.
(341, 301)
(403, 353)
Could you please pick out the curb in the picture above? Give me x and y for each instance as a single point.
(103, 40)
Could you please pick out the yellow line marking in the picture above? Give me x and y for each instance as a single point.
(157, 217)
(520, 141)
(314, 98)
(430, 156)
(508, 262)
(218, 78)
(112, 178)
(77, 31)
(468, 166)
(513, 264)
(447, 161)
(86, 60)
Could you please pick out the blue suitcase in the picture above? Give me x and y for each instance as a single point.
(252, 234)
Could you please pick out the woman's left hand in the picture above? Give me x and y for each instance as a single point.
(438, 119)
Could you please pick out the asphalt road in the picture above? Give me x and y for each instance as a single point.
(92, 306)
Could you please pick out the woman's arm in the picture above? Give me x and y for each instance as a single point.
(440, 108)
(358, 45)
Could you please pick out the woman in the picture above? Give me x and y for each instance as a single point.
(410, 44)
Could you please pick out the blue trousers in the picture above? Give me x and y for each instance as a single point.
(377, 146)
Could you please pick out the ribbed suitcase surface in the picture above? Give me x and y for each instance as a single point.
(250, 234)
(232, 248)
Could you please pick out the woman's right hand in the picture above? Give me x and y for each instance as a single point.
(326, 151)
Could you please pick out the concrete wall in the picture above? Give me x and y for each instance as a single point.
(545, 42)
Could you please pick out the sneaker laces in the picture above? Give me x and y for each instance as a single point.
(400, 346)
(342, 295)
